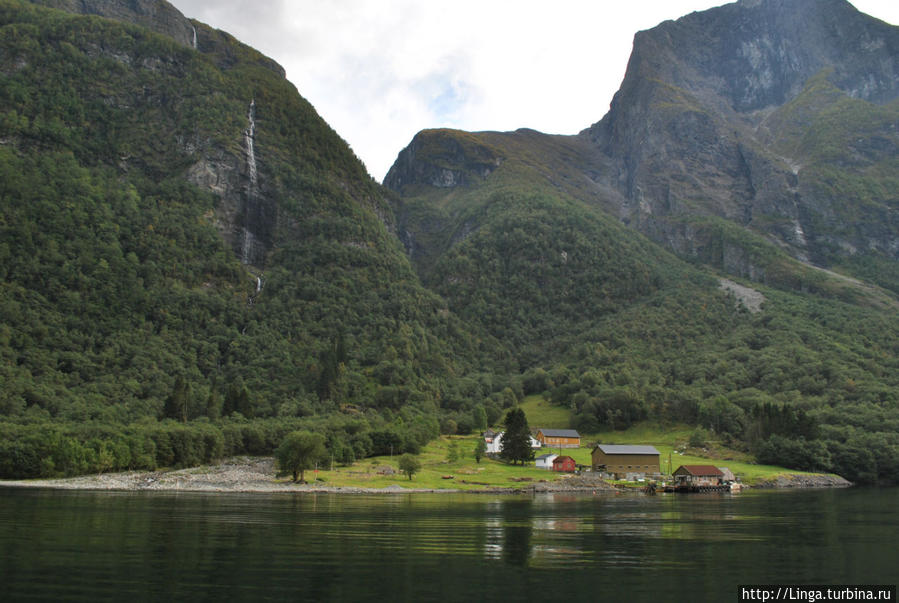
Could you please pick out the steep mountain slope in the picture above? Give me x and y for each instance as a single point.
(780, 117)
(182, 235)
(524, 234)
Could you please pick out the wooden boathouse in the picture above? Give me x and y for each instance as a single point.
(699, 478)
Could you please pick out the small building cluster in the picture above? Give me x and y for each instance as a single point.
(543, 438)
(618, 461)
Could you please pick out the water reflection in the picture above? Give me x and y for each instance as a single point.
(443, 546)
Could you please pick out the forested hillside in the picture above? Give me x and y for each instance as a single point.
(195, 264)
(188, 251)
(606, 323)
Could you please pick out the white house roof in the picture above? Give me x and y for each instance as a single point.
(546, 457)
(626, 449)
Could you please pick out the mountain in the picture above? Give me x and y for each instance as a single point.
(183, 237)
(754, 141)
(766, 114)
(194, 263)
(156, 15)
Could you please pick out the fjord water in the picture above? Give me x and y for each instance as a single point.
(61, 545)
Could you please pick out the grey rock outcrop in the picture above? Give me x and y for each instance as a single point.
(157, 15)
(690, 131)
(442, 159)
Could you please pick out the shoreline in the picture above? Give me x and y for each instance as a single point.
(257, 475)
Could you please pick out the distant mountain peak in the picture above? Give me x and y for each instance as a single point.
(759, 53)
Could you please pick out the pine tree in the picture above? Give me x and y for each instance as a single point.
(480, 449)
(516, 443)
(214, 405)
(176, 403)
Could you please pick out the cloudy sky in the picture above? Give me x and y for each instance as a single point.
(379, 71)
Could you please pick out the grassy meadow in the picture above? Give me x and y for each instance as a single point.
(467, 474)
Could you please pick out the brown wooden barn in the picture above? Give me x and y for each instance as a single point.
(559, 438)
(623, 460)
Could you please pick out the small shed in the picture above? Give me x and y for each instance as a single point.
(559, 438)
(565, 464)
(728, 475)
(545, 461)
(698, 475)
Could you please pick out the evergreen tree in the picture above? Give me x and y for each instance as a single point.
(176, 403)
(479, 417)
(452, 453)
(214, 405)
(516, 443)
(480, 449)
(328, 375)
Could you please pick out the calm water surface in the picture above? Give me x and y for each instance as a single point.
(88, 546)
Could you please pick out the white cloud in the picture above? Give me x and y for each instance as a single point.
(378, 72)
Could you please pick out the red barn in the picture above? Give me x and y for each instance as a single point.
(565, 464)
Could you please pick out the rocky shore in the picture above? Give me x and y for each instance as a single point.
(245, 474)
(799, 480)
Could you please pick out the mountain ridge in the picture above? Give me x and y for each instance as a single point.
(739, 165)
(194, 264)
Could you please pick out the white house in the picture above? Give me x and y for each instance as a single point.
(545, 461)
(495, 443)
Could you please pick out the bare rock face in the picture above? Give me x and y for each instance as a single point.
(442, 159)
(157, 15)
(720, 112)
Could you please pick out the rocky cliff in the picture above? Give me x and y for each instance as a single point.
(156, 15)
(726, 113)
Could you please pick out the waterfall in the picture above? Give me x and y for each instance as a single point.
(258, 284)
(249, 136)
(195, 36)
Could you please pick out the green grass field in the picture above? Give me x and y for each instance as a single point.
(541, 413)
(469, 475)
(670, 440)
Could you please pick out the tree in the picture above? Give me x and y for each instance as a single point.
(409, 464)
(299, 451)
(480, 449)
(176, 403)
(214, 405)
(452, 453)
(516, 442)
(479, 418)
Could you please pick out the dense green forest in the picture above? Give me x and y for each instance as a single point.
(126, 311)
(133, 336)
(610, 326)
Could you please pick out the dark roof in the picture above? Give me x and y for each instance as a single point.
(626, 449)
(701, 470)
(561, 459)
(560, 433)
